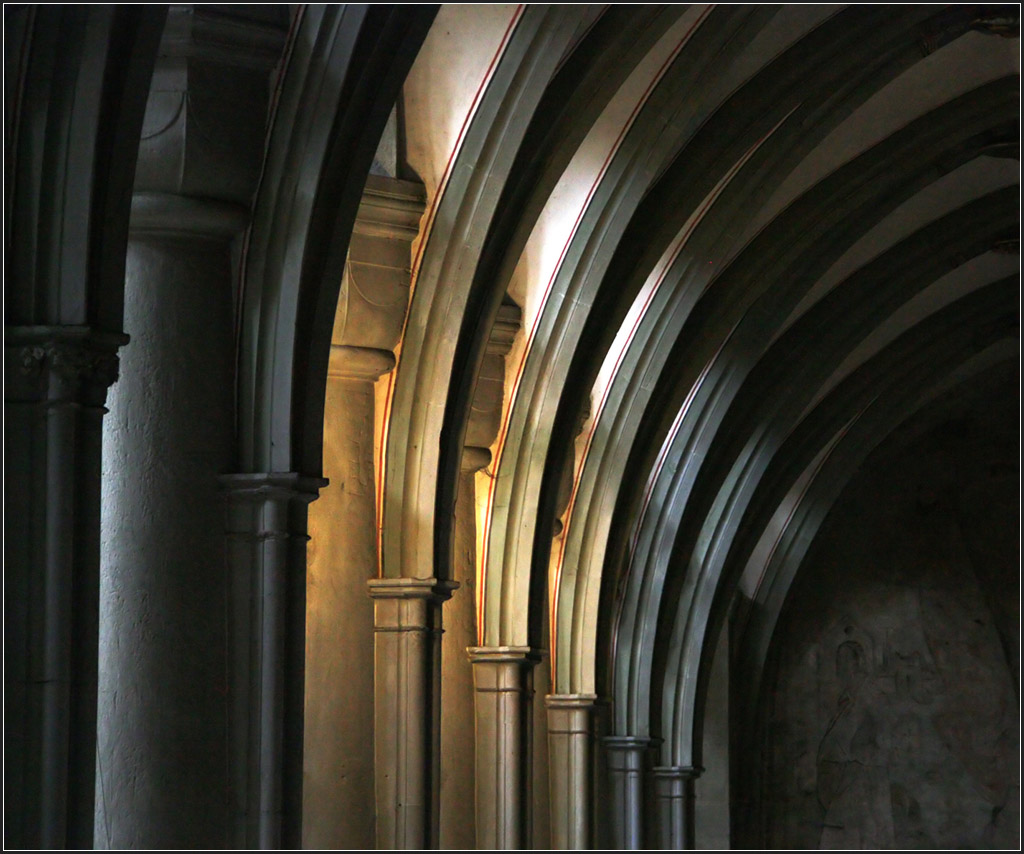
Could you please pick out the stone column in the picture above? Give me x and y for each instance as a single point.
(570, 732)
(458, 821)
(503, 681)
(266, 618)
(162, 683)
(172, 632)
(458, 784)
(339, 799)
(338, 796)
(407, 689)
(674, 794)
(626, 761)
(56, 381)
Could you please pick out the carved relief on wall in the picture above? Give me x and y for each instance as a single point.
(894, 722)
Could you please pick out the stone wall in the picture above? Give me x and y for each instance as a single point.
(893, 722)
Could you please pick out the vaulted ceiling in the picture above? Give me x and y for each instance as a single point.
(748, 243)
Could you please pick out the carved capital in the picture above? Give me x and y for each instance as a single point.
(359, 363)
(474, 458)
(375, 288)
(74, 354)
(434, 589)
(70, 362)
(506, 326)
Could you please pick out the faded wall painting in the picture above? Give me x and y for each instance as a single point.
(894, 718)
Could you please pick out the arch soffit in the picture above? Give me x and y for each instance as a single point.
(713, 566)
(590, 78)
(890, 383)
(551, 129)
(968, 231)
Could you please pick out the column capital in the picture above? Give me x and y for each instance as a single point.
(203, 132)
(72, 354)
(506, 326)
(435, 589)
(637, 743)
(75, 351)
(525, 655)
(407, 688)
(571, 701)
(503, 686)
(474, 458)
(677, 772)
(485, 413)
(263, 486)
(156, 214)
(209, 34)
(374, 296)
(349, 362)
(391, 207)
(674, 789)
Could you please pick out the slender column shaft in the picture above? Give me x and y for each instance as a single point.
(266, 524)
(458, 783)
(503, 682)
(458, 814)
(56, 382)
(407, 677)
(626, 755)
(570, 732)
(674, 791)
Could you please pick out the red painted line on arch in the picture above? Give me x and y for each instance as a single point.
(677, 422)
(427, 227)
(606, 390)
(481, 615)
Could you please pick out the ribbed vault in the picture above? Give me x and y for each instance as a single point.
(748, 243)
(779, 180)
